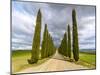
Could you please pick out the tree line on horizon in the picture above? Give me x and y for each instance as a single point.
(47, 47)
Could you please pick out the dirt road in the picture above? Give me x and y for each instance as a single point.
(56, 63)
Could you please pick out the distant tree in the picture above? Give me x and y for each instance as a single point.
(69, 42)
(63, 49)
(50, 45)
(44, 43)
(36, 40)
(75, 36)
(47, 41)
(52, 48)
(47, 44)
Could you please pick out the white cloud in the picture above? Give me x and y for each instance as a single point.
(87, 46)
(16, 40)
(22, 28)
(23, 21)
(87, 32)
(22, 48)
(56, 17)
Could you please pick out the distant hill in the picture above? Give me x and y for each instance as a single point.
(90, 51)
(20, 49)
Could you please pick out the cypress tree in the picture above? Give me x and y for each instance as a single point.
(75, 36)
(51, 47)
(43, 49)
(36, 40)
(47, 41)
(63, 47)
(47, 44)
(69, 42)
(60, 47)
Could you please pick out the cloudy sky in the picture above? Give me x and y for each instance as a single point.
(57, 17)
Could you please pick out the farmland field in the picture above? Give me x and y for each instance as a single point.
(88, 59)
(19, 60)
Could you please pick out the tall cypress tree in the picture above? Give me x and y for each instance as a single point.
(47, 44)
(63, 49)
(51, 46)
(75, 36)
(44, 43)
(36, 40)
(69, 42)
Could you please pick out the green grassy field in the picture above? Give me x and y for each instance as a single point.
(19, 60)
(87, 59)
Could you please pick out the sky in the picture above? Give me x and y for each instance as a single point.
(57, 17)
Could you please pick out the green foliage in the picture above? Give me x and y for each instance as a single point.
(75, 37)
(69, 42)
(44, 43)
(36, 40)
(63, 49)
(52, 48)
(48, 48)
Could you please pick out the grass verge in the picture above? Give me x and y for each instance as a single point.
(19, 60)
(88, 60)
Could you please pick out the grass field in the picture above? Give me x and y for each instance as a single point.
(19, 60)
(87, 59)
